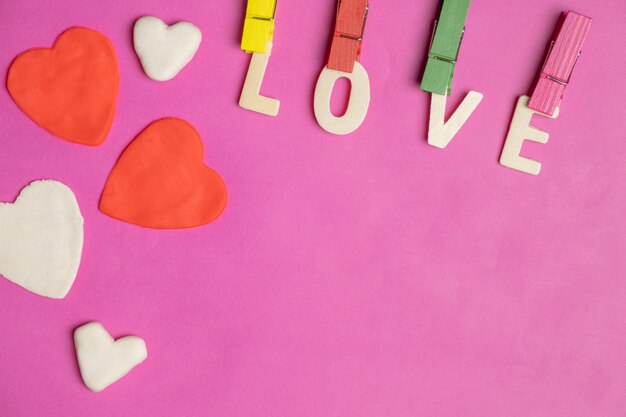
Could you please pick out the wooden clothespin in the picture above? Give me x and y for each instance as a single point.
(555, 75)
(345, 49)
(444, 47)
(562, 57)
(258, 28)
(258, 33)
(437, 79)
(343, 61)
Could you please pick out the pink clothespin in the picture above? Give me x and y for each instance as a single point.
(562, 56)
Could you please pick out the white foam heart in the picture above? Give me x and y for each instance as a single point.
(41, 239)
(165, 50)
(103, 360)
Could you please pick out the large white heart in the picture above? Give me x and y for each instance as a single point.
(103, 360)
(41, 239)
(165, 50)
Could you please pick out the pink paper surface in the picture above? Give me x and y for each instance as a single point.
(370, 275)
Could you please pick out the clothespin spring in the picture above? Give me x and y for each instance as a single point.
(443, 58)
(353, 37)
(552, 78)
(267, 19)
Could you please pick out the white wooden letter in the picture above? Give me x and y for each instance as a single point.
(519, 131)
(440, 132)
(357, 106)
(250, 98)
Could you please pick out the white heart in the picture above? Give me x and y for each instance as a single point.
(41, 238)
(103, 360)
(165, 50)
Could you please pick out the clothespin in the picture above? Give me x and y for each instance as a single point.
(562, 57)
(345, 49)
(258, 28)
(444, 46)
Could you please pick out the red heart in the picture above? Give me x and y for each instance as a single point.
(71, 89)
(161, 182)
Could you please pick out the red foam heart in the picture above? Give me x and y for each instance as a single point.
(161, 182)
(71, 89)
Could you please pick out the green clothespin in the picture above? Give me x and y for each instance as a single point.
(444, 46)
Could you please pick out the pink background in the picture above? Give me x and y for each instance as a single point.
(363, 276)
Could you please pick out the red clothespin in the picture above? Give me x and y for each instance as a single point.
(562, 56)
(349, 28)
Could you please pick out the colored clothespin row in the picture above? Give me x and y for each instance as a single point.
(562, 57)
(555, 75)
(343, 61)
(437, 79)
(258, 28)
(258, 33)
(444, 47)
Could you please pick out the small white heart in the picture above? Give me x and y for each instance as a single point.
(41, 239)
(165, 50)
(103, 360)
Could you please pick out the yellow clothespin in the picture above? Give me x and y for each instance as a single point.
(258, 28)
